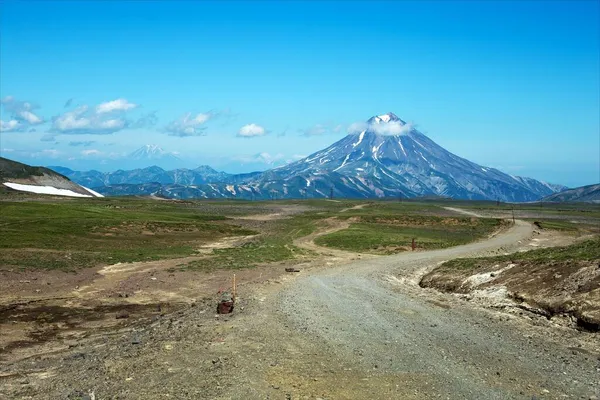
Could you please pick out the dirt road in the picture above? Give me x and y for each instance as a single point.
(366, 310)
(361, 330)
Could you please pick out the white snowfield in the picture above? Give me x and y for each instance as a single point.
(49, 190)
(92, 192)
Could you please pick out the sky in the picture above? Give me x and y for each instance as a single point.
(250, 85)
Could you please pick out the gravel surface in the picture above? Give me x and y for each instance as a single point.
(451, 352)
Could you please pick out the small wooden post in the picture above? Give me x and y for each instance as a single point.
(413, 244)
(233, 294)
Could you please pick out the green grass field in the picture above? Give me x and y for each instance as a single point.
(75, 234)
(47, 233)
(387, 235)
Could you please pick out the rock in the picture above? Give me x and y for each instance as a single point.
(122, 314)
(225, 307)
(136, 340)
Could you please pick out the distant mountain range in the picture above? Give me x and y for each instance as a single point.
(154, 174)
(385, 158)
(588, 194)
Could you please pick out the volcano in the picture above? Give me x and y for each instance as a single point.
(388, 157)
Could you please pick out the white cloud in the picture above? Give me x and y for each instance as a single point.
(90, 152)
(8, 126)
(114, 105)
(392, 128)
(357, 127)
(30, 117)
(188, 125)
(100, 120)
(21, 115)
(251, 130)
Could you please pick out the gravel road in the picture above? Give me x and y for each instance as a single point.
(371, 311)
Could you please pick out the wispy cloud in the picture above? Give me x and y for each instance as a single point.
(82, 143)
(91, 153)
(21, 115)
(114, 105)
(251, 130)
(189, 124)
(46, 153)
(321, 129)
(49, 137)
(8, 126)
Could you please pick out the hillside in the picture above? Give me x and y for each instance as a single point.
(589, 193)
(25, 178)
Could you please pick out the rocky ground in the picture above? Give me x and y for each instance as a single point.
(343, 327)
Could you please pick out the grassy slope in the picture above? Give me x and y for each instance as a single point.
(87, 232)
(15, 170)
(390, 234)
(585, 251)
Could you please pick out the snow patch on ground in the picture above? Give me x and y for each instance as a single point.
(384, 118)
(343, 163)
(230, 189)
(92, 192)
(44, 190)
(360, 138)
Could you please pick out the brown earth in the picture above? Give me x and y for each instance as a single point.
(567, 290)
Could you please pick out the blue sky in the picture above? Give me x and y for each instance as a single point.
(247, 85)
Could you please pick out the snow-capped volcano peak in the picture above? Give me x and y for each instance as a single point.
(385, 118)
(387, 125)
(151, 151)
